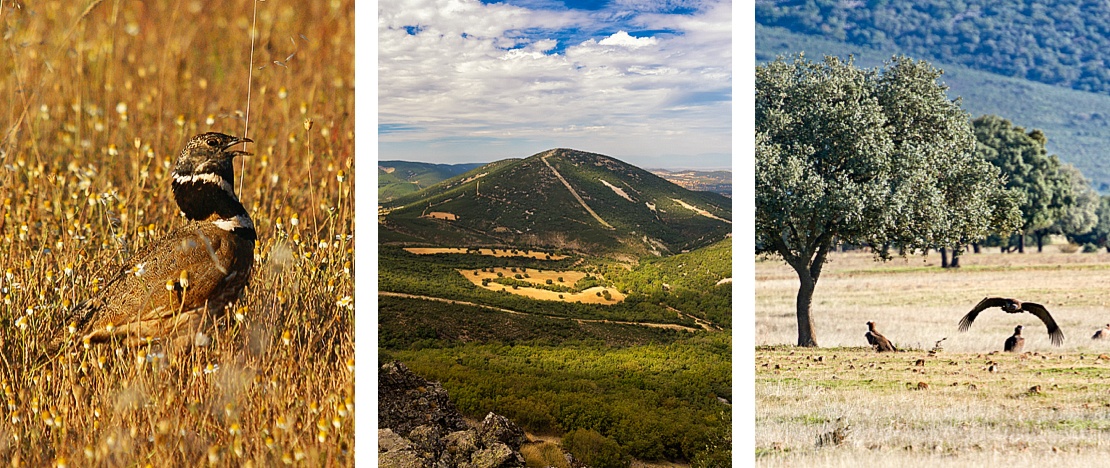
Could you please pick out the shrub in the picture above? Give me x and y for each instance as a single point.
(594, 449)
(1090, 248)
(1069, 248)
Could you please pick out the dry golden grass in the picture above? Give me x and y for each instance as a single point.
(976, 408)
(441, 215)
(916, 303)
(103, 96)
(586, 296)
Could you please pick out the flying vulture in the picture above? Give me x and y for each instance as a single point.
(877, 340)
(1014, 306)
(1016, 342)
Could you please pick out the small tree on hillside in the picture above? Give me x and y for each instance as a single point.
(869, 157)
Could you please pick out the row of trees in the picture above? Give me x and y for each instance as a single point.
(881, 157)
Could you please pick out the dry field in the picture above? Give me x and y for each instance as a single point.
(586, 296)
(916, 303)
(967, 405)
(488, 252)
(441, 215)
(103, 96)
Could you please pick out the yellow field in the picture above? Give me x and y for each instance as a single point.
(489, 252)
(102, 98)
(587, 296)
(967, 405)
(441, 215)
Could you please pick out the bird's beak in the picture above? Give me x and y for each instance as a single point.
(237, 140)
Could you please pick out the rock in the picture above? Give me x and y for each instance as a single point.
(405, 401)
(497, 428)
(389, 441)
(458, 447)
(427, 441)
(395, 451)
(497, 455)
(402, 459)
(418, 426)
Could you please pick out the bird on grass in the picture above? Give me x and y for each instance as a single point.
(877, 340)
(1014, 306)
(172, 287)
(1016, 342)
(1103, 334)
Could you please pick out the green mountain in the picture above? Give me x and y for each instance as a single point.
(397, 178)
(560, 199)
(1057, 42)
(1077, 123)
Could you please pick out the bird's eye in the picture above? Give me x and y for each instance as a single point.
(213, 142)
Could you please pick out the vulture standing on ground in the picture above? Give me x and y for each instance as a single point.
(1014, 306)
(1103, 334)
(1016, 342)
(877, 340)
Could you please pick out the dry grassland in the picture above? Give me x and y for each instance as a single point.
(102, 97)
(488, 252)
(962, 407)
(586, 296)
(916, 303)
(441, 215)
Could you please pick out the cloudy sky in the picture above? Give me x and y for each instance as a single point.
(645, 81)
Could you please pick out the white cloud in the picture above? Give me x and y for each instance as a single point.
(622, 39)
(487, 73)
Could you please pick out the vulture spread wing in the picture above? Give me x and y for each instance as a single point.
(984, 304)
(1054, 332)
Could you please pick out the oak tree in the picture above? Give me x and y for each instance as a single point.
(1044, 190)
(877, 157)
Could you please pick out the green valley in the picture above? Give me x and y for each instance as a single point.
(569, 292)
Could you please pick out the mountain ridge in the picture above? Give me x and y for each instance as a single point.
(560, 198)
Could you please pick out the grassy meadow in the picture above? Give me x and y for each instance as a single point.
(969, 403)
(103, 96)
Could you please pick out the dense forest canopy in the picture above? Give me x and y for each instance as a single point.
(1063, 43)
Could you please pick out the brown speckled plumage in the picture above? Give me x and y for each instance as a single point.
(171, 288)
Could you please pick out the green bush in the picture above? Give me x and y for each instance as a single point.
(595, 450)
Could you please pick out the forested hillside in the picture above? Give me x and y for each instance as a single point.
(1076, 123)
(1063, 43)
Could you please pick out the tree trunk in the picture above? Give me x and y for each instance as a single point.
(806, 336)
(943, 257)
(1021, 243)
(975, 247)
(956, 251)
(1040, 241)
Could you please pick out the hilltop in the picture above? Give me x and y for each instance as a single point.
(560, 199)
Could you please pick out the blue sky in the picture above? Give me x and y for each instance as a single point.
(645, 81)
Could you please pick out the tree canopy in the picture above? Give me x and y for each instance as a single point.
(1082, 216)
(1044, 189)
(878, 157)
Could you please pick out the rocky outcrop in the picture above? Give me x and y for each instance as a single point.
(419, 427)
